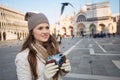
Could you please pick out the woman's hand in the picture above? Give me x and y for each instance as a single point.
(50, 70)
(66, 66)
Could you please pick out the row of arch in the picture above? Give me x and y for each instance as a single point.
(20, 35)
(67, 31)
(96, 29)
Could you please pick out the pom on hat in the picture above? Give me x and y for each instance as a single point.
(28, 15)
(34, 19)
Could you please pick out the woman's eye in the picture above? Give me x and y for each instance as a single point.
(40, 28)
(47, 27)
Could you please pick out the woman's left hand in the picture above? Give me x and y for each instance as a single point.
(66, 66)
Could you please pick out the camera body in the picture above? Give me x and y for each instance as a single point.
(59, 59)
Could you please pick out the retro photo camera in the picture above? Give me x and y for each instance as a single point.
(59, 59)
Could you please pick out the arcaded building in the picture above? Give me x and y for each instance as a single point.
(66, 26)
(95, 18)
(12, 24)
(91, 19)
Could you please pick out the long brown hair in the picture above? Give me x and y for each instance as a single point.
(51, 46)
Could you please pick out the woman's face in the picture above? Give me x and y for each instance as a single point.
(41, 32)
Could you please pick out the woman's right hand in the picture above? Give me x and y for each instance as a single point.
(50, 70)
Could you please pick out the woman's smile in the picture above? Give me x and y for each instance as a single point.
(46, 36)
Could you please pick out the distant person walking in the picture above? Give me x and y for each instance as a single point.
(59, 38)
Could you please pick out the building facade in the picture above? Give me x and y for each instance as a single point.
(117, 20)
(95, 18)
(66, 25)
(12, 24)
(91, 19)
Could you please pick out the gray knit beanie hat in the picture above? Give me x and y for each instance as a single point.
(34, 19)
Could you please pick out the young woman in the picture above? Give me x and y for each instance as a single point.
(31, 61)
